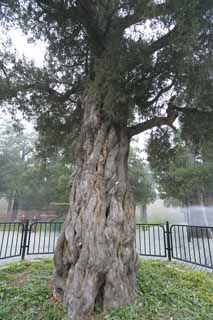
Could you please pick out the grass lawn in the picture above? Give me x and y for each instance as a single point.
(165, 292)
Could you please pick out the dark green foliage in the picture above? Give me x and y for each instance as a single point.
(95, 47)
(140, 179)
(197, 131)
(181, 173)
(32, 181)
(43, 184)
(15, 149)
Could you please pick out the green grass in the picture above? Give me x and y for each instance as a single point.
(170, 292)
(165, 292)
(25, 292)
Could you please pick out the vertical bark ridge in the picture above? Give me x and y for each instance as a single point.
(95, 260)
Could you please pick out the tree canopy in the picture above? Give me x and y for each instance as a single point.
(133, 55)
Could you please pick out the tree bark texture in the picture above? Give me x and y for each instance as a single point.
(95, 259)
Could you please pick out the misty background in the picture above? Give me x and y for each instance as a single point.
(176, 186)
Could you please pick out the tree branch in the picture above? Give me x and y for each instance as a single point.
(162, 41)
(189, 110)
(160, 93)
(154, 122)
(83, 13)
(89, 19)
(140, 14)
(4, 70)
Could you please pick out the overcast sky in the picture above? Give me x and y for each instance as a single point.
(33, 51)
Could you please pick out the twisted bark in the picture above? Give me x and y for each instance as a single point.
(95, 259)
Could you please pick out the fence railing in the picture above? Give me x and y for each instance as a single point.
(11, 239)
(151, 240)
(192, 244)
(42, 237)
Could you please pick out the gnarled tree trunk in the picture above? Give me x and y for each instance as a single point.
(95, 259)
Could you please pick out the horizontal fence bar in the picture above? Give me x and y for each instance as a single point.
(11, 236)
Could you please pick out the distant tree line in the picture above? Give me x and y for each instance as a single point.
(29, 180)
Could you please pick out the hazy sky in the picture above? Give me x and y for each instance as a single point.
(33, 51)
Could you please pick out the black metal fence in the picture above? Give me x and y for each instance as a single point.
(42, 237)
(11, 239)
(21, 239)
(151, 240)
(192, 244)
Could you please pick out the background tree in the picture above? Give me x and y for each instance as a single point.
(181, 174)
(34, 180)
(27, 181)
(45, 183)
(15, 148)
(200, 138)
(141, 182)
(105, 80)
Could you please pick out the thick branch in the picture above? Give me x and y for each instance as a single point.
(89, 18)
(140, 14)
(162, 41)
(160, 93)
(154, 122)
(43, 87)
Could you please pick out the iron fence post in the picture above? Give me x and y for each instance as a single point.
(168, 235)
(24, 242)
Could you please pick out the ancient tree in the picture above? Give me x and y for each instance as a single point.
(114, 69)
